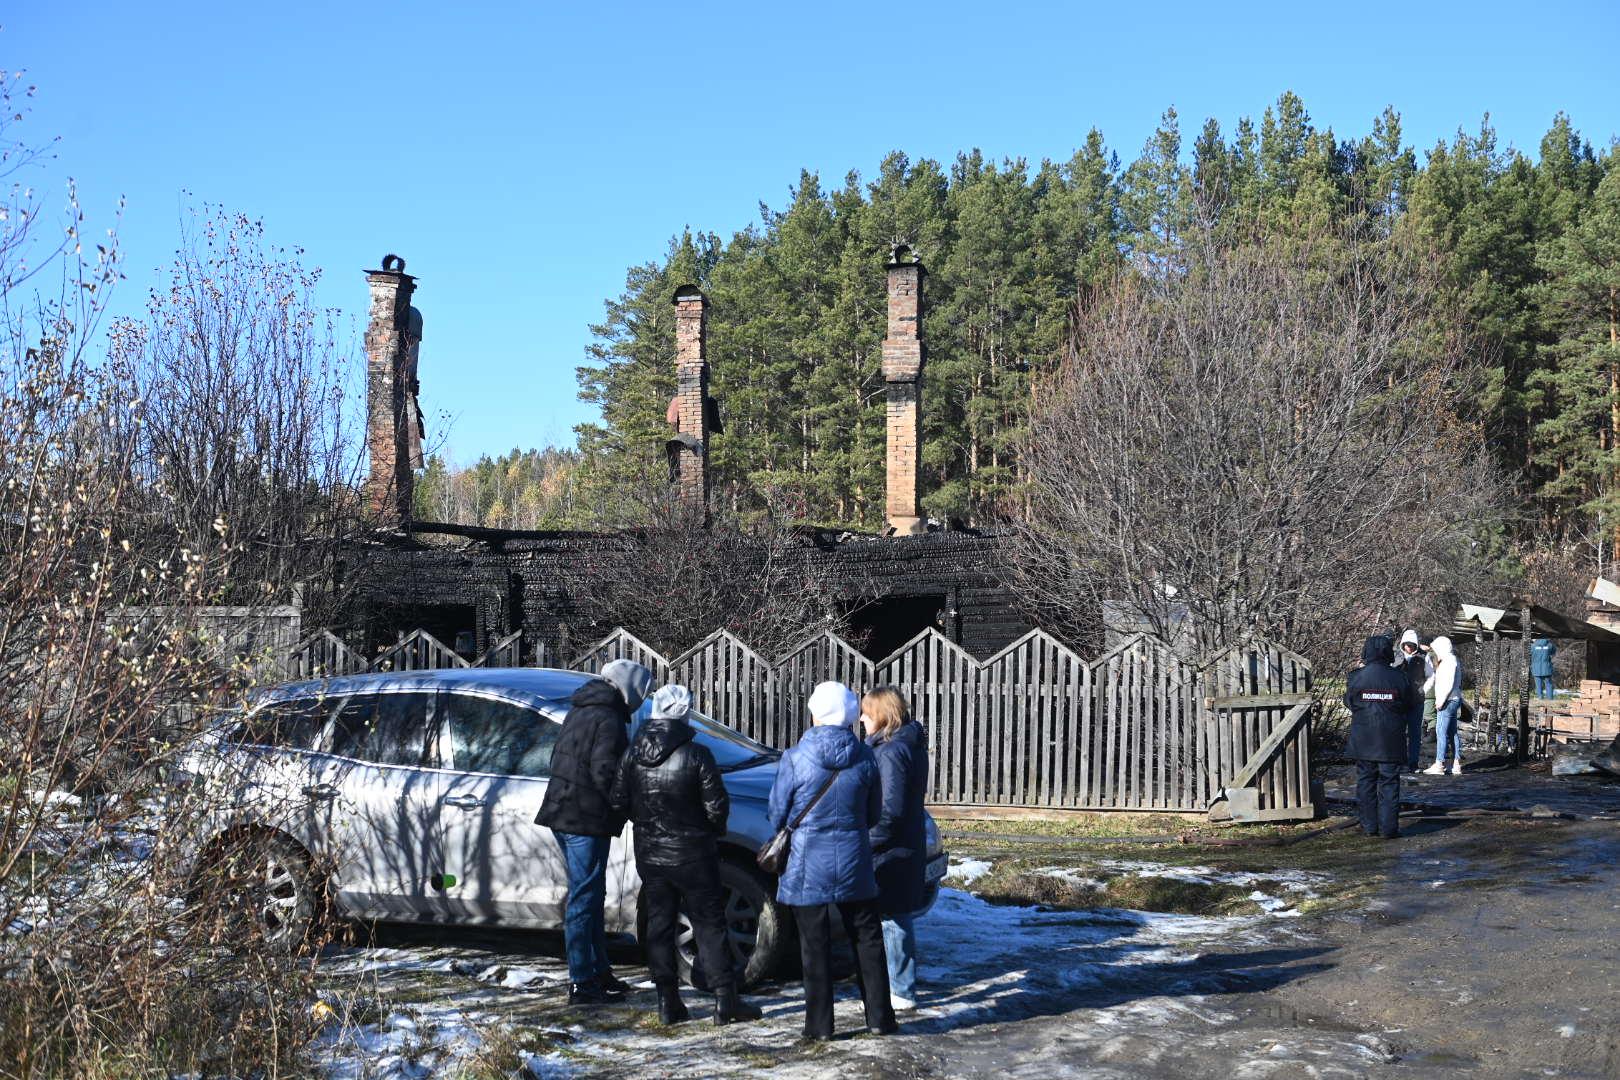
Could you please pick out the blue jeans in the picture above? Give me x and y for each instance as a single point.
(1414, 736)
(1447, 739)
(1544, 686)
(900, 945)
(584, 924)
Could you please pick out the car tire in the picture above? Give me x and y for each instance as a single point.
(265, 888)
(757, 932)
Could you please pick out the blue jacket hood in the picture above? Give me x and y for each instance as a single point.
(909, 733)
(831, 747)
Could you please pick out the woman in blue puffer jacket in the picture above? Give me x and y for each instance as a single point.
(830, 857)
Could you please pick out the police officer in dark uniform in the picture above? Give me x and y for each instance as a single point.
(1379, 697)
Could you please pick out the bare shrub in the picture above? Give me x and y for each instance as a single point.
(1273, 442)
(112, 543)
(245, 391)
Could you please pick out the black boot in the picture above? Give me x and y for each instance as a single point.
(592, 993)
(671, 1009)
(729, 1008)
(613, 984)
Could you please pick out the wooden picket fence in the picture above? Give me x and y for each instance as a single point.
(324, 655)
(1034, 726)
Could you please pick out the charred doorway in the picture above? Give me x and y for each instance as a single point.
(883, 624)
(456, 625)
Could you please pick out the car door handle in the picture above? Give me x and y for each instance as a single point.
(321, 791)
(466, 802)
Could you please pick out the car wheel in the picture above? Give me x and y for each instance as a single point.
(756, 929)
(266, 889)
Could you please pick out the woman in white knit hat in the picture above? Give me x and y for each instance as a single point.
(831, 779)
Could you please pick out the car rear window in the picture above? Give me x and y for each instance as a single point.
(492, 736)
(388, 729)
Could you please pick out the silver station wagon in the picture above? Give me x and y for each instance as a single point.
(411, 797)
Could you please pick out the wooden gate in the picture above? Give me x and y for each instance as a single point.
(1260, 706)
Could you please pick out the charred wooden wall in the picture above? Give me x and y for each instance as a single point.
(493, 583)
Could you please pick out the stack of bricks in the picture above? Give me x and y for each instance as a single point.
(902, 376)
(392, 433)
(691, 394)
(1595, 713)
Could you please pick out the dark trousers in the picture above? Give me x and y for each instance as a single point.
(695, 888)
(863, 923)
(1378, 797)
(1544, 687)
(1414, 737)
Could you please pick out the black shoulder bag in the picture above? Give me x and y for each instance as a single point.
(773, 857)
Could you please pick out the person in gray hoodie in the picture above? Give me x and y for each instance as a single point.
(579, 811)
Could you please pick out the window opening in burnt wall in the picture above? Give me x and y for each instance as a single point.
(456, 625)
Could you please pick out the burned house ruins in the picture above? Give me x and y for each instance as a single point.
(471, 587)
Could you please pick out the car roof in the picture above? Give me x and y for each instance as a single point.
(531, 684)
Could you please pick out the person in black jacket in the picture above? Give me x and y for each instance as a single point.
(672, 790)
(899, 838)
(1379, 697)
(580, 814)
(1413, 662)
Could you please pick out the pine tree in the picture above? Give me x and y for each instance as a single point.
(1579, 440)
(633, 375)
(1156, 199)
(1478, 208)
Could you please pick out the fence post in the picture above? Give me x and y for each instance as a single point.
(1521, 745)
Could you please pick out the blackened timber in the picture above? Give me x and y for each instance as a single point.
(501, 580)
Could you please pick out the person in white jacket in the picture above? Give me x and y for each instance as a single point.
(1446, 685)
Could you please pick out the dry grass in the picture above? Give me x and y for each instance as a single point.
(1137, 893)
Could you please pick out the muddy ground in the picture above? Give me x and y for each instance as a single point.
(1472, 946)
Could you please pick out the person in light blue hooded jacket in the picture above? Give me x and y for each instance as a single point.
(830, 857)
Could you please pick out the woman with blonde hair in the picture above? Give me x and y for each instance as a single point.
(899, 838)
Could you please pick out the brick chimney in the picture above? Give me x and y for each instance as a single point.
(691, 410)
(902, 377)
(393, 421)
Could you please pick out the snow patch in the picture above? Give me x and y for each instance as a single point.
(1302, 882)
(967, 871)
(1070, 875)
(1271, 905)
(549, 1067)
(401, 1047)
(994, 957)
(518, 978)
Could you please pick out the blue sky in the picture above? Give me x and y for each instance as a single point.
(521, 156)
